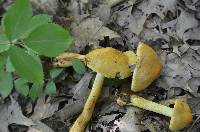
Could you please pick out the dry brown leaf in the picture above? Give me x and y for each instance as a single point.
(47, 6)
(129, 122)
(174, 73)
(44, 108)
(159, 7)
(178, 26)
(134, 22)
(89, 32)
(11, 113)
(40, 127)
(192, 34)
(80, 92)
(153, 34)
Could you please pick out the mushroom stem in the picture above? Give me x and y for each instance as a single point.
(64, 60)
(83, 119)
(151, 106)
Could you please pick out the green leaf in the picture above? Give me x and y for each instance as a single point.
(51, 88)
(3, 58)
(4, 43)
(55, 72)
(37, 21)
(9, 66)
(26, 65)
(6, 85)
(78, 66)
(4, 47)
(49, 40)
(4, 39)
(35, 91)
(17, 18)
(21, 86)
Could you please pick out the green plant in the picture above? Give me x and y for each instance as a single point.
(78, 66)
(51, 86)
(24, 38)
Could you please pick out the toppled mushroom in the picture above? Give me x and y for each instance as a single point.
(181, 115)
(148, 68)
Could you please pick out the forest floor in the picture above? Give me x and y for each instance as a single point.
(170, 27)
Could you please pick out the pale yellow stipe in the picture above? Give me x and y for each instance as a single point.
(83, 119)
(151, 106)
(64, 60)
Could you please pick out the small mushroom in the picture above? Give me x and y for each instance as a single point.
(148, 68)
(181, 115)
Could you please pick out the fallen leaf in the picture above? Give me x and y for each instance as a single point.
(40, 127)
(194, 86)
(191, 60)
(129, 122)
(43, 108)
(81, 89)
(70, 110)
(11, 113)
(174, 73)
(153, 34)
(190, 4)
(103, 12)
(159, 7)
(192, 34)
(178, 26)
(78, 10)
(80, 93)
(49, 7)
(134, 22)
(89, 32)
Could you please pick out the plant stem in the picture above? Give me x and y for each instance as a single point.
(83, 119)
(151, 106)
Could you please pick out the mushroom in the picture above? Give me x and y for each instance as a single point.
(148, 68)
(107, 62)
(181, 115)
(146, 64)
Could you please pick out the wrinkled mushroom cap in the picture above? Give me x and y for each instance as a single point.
(148, 68)
(109, 62)
(181, 116)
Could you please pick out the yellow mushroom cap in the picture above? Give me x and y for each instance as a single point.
(132, 58)
(148, 68)
(109, 62)
(181, 116)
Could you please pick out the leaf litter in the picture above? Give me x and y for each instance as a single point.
(170, 27)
